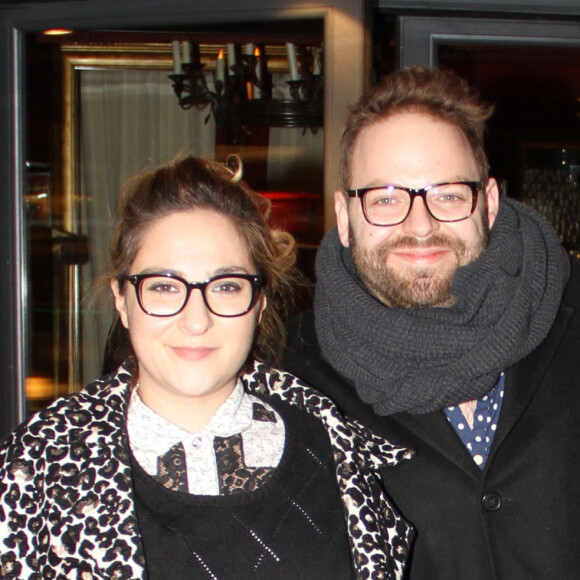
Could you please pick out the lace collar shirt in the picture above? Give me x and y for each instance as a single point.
(156, 442)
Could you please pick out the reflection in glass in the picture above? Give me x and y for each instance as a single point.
(119, 117)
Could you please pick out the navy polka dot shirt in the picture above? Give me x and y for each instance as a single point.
(478, 439)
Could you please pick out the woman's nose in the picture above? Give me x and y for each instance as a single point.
(195, 318)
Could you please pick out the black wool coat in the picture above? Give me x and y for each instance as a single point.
(519, 517)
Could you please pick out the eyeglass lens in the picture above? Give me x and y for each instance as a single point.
(447, 202)
(224, 296)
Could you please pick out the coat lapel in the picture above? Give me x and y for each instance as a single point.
(119, 543)
(434, 430)
(524, 378)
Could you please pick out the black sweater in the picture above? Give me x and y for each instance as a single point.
(291, 528)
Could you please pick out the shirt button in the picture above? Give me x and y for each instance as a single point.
(491, 501)
(196, 442)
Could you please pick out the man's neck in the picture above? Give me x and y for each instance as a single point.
(468, 411)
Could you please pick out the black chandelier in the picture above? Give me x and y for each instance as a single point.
(242, 92)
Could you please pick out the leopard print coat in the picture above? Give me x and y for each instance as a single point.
(66, 497)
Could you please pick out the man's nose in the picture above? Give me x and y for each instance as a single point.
(419, 222)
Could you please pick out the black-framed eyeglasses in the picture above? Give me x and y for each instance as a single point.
(226, 295)
(389, 205)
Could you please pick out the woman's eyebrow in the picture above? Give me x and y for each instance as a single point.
(222, 270)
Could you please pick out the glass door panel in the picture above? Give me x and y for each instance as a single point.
(119, 116)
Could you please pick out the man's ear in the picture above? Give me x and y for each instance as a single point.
(492, 199)
(341, 210)
(120, 302)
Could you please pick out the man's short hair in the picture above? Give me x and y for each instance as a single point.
(436, 92)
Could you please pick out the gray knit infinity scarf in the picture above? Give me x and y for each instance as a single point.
(422, 360)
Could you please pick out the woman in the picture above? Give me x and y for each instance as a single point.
(196, 458)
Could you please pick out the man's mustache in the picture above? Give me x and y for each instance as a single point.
(411, 242)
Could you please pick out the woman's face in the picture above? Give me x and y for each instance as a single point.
(189, 362)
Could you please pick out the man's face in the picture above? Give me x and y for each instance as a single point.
(411, 265)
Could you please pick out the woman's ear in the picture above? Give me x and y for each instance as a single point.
(263, 306)
(120, 302)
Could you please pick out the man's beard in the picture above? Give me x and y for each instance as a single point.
(419, 287)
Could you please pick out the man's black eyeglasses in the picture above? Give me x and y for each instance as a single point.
(389, 205)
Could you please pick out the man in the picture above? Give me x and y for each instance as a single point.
(446, 319)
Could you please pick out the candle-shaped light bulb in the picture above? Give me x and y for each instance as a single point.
(291, 52)
(186, 52)
(176, 57)
(257, 58)
(231, 48)
(249, 82)
(257, 90)
(317, 55)
(220, 67)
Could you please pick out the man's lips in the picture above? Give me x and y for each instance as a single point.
(421, 256)
(192, 353)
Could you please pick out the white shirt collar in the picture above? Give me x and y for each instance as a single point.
(153, 435)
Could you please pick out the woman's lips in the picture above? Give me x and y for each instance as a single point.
(192, 353)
